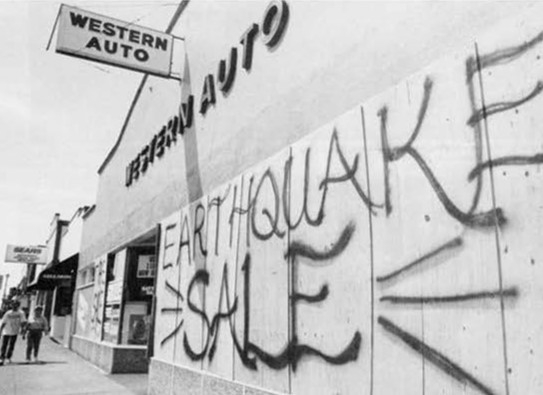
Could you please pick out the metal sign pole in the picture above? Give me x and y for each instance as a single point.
(53, 31)
(6, 285)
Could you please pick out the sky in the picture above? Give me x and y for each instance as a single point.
(59, 117)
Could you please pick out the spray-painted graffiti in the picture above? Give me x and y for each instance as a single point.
(338, 252)
(262, 218)
(98, 297)
(293, 351)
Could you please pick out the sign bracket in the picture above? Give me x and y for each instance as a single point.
(53, 31)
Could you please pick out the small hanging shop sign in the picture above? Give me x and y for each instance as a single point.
(26, 254)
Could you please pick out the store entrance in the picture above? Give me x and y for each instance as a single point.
(130, 286)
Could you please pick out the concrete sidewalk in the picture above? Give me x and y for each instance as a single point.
(61, 371)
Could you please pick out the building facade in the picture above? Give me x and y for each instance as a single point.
(334, 199)
(42, 287)
(53, 284)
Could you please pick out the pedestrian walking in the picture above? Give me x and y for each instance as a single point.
(10, 326)
(37, 325)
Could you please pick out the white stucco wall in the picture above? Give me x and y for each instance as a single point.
(331, 57)
(70, 243)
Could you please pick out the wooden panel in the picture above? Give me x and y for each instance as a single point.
(221, 261)
(511, 68)
(190, 346)
(262, 279)
(331, 268)
(435, 253)
(168, 294)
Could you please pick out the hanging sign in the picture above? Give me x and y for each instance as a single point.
(26, 254)
(96, 37)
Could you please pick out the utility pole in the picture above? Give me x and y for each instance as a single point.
(6, 285)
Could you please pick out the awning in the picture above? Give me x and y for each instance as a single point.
(56, 274)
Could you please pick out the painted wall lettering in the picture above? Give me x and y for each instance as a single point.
(272, 28)
(274, 24)
(161, 141)
(392, 251)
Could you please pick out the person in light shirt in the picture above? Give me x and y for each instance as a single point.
(37, 325)
(10, 326)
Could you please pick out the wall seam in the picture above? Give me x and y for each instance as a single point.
(496, 223)
(370, 224)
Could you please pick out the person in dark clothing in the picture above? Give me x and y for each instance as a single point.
(37, 325)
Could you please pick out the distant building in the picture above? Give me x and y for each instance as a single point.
(53, 284)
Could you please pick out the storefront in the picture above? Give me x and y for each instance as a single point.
(114, 306)
(52, 279)
(261, 226)
(53, 284)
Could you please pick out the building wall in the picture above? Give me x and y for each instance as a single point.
(335, 224)
(329, 59)
(71, 239)
(109, 358)
(391, 250)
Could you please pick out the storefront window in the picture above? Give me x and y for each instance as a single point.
(90, 276)
(139, 295)
(84, 308)
(129, 295)
(114, 292)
